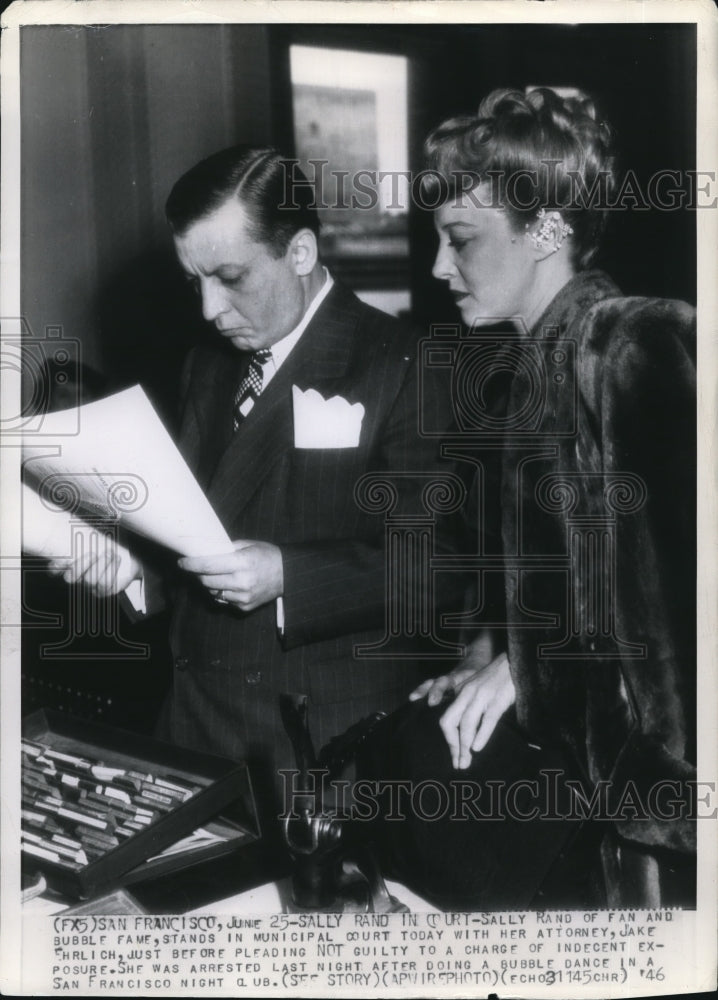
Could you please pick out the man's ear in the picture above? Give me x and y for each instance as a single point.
(304, 251)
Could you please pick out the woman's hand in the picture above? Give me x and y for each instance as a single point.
(479, 654)
(483, 693)
(105, 567)
(251, 575)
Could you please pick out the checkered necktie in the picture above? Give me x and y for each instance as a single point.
(251, 385)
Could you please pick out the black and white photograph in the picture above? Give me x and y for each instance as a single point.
(358, 502)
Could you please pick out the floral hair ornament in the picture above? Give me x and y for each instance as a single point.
(552, 231)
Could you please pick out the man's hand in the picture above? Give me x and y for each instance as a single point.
(483, 693)
(250, 576)
(105, 567)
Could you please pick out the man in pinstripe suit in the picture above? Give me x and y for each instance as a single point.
(306, 580)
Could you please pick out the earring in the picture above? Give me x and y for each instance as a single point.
(552, 232)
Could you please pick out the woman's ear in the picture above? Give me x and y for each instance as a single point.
(547, 233)
(304, 251)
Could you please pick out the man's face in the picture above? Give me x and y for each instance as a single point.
(253, 298)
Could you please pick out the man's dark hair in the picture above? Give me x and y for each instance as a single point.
(274, 192)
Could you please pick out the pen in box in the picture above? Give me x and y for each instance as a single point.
(161, 782)
(117, 817)
(132, 824)
(176, 794)
(88, 808)
(36, 770)
(114, 793)
(102, 801)
(49, 826)
(48, 845)
(70, 759)
(140, 775)
(33, 817)
(40, 852)
(97, 840)
(84, 818)
(75, 781)
(129, 810)
(35, 838)
(91, 835)
(143, 819)
(29, 801)
(93, 853)
(30, 782)
(83, 830)
(64, 784)
(101, 793)
(47, 803)
(37, 765)
(35, 851)
(149, 796)
(90, 844)
(159, 807)
(73, 853)
(44, 761)
(67, 841)
(127, 783)
(103, 773)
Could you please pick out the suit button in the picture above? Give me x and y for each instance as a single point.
(254, 677)
(181, 662)
(215, 663)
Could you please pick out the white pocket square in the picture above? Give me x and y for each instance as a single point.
(325, 423)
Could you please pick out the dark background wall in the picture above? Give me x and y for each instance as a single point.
(111, 116)
(644, 80)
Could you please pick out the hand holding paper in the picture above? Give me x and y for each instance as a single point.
(105, 566)
(75, 550)
(122, 465)
(250, 576)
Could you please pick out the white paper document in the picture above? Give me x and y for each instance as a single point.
(115, 460)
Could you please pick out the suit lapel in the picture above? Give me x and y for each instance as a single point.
(321, 356)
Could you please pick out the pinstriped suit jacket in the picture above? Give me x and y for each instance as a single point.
(229, 666)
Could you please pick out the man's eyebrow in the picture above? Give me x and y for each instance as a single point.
(233, 265)
(228, 266)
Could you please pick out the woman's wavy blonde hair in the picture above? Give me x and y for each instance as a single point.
(536, 150)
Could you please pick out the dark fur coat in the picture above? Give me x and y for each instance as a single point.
(598, 533)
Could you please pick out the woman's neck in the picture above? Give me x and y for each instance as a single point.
(549, 280)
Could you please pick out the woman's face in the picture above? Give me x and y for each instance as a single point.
(490, 267)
